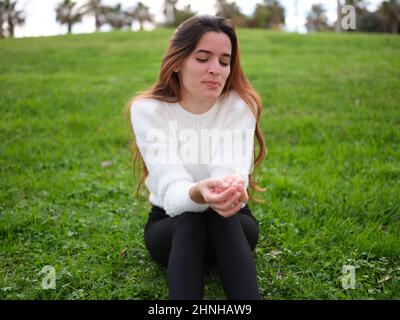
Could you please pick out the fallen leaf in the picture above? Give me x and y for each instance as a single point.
(71, 233)
(385, 278)
(280, 275)
(274, 253)
(106, 163)
(383, 227)
(122, 253)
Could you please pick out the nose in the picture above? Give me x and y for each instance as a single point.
(214, 68)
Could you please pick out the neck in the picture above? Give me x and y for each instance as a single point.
(196, 106)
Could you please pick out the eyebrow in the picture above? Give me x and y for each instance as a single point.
(209, 52)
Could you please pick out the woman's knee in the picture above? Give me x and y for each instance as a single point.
(229, 222)
(250, 229)
(191, 225)
(238, 223)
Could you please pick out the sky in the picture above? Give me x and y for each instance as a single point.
(40, 14)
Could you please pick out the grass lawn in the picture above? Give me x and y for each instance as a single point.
(332, 126)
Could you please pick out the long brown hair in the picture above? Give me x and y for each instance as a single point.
(167, 87)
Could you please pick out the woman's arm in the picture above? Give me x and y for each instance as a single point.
(167, 179)
(238, 118)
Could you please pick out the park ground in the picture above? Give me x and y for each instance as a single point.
(331, 121)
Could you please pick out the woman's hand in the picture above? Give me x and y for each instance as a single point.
(225, 196)
(238, 193)
(204, 190)
(238, 182)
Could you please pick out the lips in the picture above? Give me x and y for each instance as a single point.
(212, 84)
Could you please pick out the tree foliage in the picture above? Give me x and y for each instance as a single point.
(390, 14)
(175, 16)
(140, 13)
(68, 13)
(317, 20)
(10, 17)
(231, 10)
(270, 14)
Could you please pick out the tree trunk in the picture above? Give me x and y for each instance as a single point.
(338, 24)
(1, 28)
(69, 28)
(98, 24)
(394, 27)
(10, 28)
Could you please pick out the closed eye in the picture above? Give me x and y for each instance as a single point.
(224, 64)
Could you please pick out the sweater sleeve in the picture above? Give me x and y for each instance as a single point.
(167, 179)
(241, 121)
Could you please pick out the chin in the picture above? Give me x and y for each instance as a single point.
(212, 95)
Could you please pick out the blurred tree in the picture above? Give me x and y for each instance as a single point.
(174, 17)
(369, 22)
(170, 11)
(184, 14)
(359, 5)
(230, 10)
(338, 27)
(98, 10)
(317, 20)
(13, 17)
(140, 13)
(270, 14)
(2, 20)
(67, 14)
(117, 18)
(390, 13)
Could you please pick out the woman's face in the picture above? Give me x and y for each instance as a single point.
(204, 72)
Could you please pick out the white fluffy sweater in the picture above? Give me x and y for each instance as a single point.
(181, 148)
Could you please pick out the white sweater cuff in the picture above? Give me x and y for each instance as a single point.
(221, 172)
(177, 199)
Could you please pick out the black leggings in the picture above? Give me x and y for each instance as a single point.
(185, 244)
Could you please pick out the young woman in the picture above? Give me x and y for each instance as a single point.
(198, 188)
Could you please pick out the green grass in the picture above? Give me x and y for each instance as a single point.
(332, 126)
